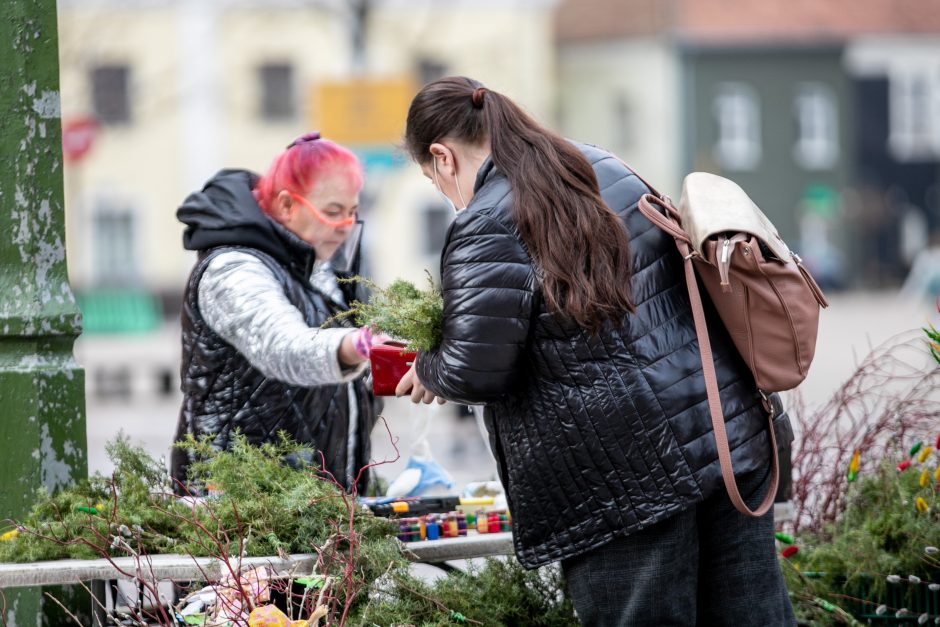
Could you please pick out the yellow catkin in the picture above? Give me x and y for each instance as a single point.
(927, 450)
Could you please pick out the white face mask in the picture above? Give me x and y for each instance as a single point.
(446, 197)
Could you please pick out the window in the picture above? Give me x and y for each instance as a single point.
(817, 145)
(114, 261)
(738, 114)
(914, 110)
(109, 94)
(429, 70)
(276, 82)
(437, 219)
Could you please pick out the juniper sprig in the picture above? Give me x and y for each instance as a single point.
(402, 311)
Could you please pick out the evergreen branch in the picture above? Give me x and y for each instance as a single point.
(440, 606)
(257, 496)
(402, 311)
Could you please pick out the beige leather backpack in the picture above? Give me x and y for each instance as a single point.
(766, 299)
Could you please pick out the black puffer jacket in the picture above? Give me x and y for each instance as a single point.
(594, 437)
(222, 391)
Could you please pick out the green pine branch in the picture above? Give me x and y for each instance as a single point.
(402, 311)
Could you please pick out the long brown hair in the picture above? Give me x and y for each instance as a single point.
(580, 245)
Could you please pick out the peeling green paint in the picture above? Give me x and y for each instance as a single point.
(41, 387)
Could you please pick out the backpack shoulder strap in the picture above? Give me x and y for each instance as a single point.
(642, 180)
(667, 218)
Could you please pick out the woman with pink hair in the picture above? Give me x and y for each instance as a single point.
(255, 355)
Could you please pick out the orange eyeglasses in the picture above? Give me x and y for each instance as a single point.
(336, 224)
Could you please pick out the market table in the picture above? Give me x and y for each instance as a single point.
(187, 568)
(103, 574)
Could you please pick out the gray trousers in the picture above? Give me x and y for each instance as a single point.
(709, 565)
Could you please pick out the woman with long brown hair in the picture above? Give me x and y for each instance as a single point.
(565, 313)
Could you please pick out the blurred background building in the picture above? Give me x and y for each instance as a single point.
(160, 94)
(827, 113)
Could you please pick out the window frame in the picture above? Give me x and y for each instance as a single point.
(817, 119)
(913, 112)
(110, 108)
(277, 108)
(738, 144)
(114, 227)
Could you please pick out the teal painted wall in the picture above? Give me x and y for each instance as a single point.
(778, 182)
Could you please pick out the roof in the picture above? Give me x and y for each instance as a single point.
(586, 20)
(800, 20)
(743, 21)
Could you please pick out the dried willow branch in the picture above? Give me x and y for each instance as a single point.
(890, 400)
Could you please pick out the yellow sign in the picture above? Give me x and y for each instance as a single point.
(362, 111)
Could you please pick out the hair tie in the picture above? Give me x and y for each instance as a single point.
(477, 97)
(306, 137)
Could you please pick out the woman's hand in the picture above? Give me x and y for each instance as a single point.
(419, 393)
(355, 347)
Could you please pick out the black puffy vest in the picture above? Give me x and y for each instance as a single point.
(223, 392)
(595, 437)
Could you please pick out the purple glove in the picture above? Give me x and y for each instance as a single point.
(362, 341)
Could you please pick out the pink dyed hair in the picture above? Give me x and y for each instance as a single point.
(302, 164)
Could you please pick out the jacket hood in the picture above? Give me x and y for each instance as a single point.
(225, 213)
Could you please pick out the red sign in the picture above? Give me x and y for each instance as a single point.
(77, 137)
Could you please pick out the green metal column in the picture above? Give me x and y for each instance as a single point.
(42, 403)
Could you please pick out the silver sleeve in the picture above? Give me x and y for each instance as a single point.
(242, 301)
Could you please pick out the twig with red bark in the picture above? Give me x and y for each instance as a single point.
(892, 397)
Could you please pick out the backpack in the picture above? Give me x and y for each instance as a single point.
(766, 299)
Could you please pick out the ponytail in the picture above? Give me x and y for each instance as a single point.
(578, 242)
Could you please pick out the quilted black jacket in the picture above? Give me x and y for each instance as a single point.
(595, 437)
(222, 391)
